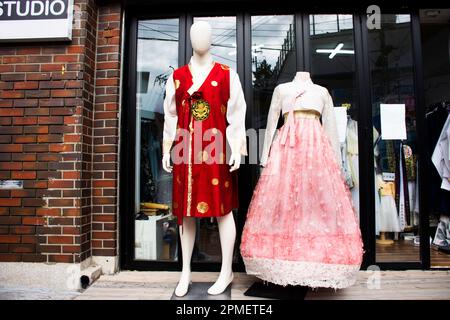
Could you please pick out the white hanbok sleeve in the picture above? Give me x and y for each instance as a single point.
(236, 108)
(330, 126)
(272, 121)
(170, 116)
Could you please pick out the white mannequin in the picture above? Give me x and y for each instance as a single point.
(201, 64)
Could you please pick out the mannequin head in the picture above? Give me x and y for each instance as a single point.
(201, 37)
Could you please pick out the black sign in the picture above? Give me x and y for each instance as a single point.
(33, 9)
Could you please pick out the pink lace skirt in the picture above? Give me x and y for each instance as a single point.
(301, 227)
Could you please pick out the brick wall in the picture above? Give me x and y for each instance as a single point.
(58, 133)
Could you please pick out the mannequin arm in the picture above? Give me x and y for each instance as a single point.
(170, 123)
(272, 121)
(330, 126)
(235, 131)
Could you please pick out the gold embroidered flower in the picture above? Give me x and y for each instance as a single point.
(202, 207)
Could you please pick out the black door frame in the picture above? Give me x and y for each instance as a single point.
(249, 173)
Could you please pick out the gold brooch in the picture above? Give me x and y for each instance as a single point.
(200, 110)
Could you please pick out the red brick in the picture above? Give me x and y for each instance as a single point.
(51, 67)
(11, 94)
(26, 103)
(33, 202)
(103, 235)
(25, 120)
(51, 120)
(64, 93)
(53, 212)
(71, 230)
(72, 212)
(23, 211)
(10, 202)
(30, 50)
(6, 68)
(36, 221)
(10, 166)
(23, 175)
(59, 184)
(9, 239)
(36, 129)
(26, 85)
(9, 257)
(52, 84)
(36, 184)
(68, 258)
(22, 230)
(71, 249)
(61, 147)
(60, 239)
(35, 148)
(38, 76)
(107, 65)
(7, 112)
(66, 58)
(27, 68)
(107, 82)
(24, 139)
(50, 138)
(22, 248)
(13, 59)
(104, 218)
(23, 193)
(29, 239)
(75, 49)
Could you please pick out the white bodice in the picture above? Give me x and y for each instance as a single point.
(301, 94)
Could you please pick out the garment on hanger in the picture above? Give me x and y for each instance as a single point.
(441, 155)
(301, 227)
(438, 198)
(210, 105)
(353, 160)
(388, 217)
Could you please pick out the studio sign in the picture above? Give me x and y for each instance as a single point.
(23, 10)
(36, 20)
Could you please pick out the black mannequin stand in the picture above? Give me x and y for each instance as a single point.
(274, 291)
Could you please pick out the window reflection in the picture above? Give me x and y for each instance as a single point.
(157, 57)
(333, 66)
(223, 46)
(273, 60)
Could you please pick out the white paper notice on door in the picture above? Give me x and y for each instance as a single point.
(393, 122)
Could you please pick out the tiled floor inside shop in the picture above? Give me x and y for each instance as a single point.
(412, 284)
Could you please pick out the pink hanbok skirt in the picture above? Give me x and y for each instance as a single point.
(301, 226)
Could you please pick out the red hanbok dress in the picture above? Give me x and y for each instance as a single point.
(205, 119)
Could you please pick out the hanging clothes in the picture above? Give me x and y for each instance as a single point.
(441, 155)
(438, 198)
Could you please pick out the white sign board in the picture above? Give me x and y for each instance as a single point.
(341, 121)
(393, 122)
(36, 20)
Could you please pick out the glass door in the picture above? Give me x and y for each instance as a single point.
(155, 237)
(396, 160)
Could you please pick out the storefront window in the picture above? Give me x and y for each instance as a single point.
(273, 60)
(435, 31)
(332, 57)
(157, 57)
(395, 141)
